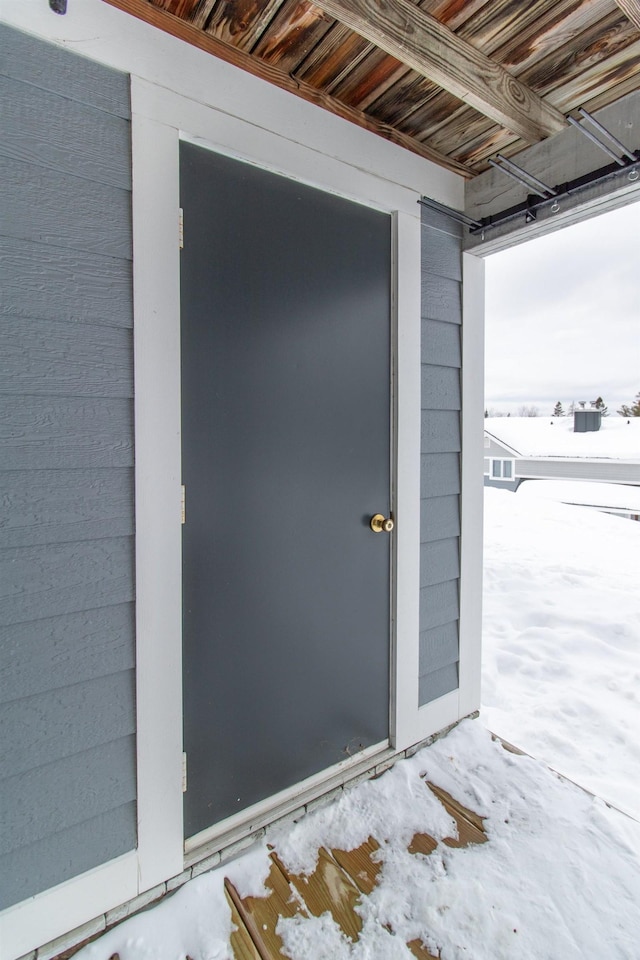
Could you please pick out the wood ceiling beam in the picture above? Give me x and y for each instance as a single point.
(423, 43)
(157, 17)
(631, 10)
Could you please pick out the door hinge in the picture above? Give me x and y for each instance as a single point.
(181, 228)
(183, 504)
(184, 773)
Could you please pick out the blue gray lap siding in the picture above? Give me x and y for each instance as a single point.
(67, 685)
(440, 455)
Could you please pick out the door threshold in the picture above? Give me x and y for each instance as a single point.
(294, 798)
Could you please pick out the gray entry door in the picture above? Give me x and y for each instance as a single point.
(285, 304)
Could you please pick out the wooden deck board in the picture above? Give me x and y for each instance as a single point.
(338, 883)
(359, 864)
(423, 843)
(260, 915)
(419, 950)
(241, 943)
(329, 888)
(470, 825)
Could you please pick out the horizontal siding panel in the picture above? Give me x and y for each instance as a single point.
(441, 299)
(440, 221)
(439, 518)
(81, 433)
(54, 69)
(437, 684)
(441, 253)
(71, 212)
(41, 358)
(440, 431)
(440, 387)
(45, 654)
(441, 343)
(439, 604)
(51, 580)
(64, 135)
(66, 854)
(438, 648)
(67, 619)
(58, 506)
(439, 475)
(441, 312)
(40, 281)
(59, 723)
(439, 561)
(613, 472)
(497, 450)
(68, 792)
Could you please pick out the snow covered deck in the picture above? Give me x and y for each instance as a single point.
(337, 886)
(463, 850)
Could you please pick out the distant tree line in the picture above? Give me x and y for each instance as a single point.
(632, 410)
(597, 404)
(626, 410)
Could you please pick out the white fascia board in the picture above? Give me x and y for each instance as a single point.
(94, 29)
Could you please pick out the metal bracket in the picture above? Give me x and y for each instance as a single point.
(542, 194)
(626, 158)
(526, 179)
(456, 215)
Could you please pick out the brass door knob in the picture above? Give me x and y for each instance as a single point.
(379, 524)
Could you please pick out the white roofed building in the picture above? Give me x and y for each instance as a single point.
(591, 467)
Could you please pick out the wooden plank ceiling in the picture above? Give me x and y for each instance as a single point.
(456, 81)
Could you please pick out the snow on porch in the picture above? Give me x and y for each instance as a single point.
(465, 850)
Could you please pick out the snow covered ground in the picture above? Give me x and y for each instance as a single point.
(559, 878)
(561, 655)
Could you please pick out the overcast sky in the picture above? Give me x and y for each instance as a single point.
(563, 317)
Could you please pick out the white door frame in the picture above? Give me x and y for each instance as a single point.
(158, 125)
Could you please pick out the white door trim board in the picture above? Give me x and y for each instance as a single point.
(472, 489)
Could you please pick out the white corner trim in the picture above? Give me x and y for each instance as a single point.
(404, 721)
(55, 912)
(438, 714)
(471, 499)
(158, 492)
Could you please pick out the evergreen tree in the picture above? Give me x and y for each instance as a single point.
(600, 405)
(633, 410)
(557, 410)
